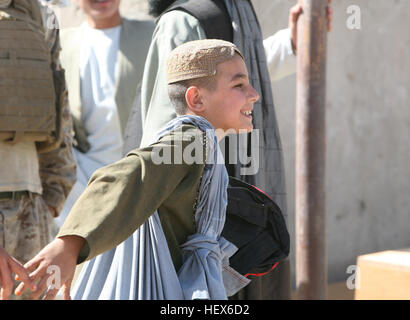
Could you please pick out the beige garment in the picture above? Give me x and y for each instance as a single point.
(20, 168)
(25, 226)
(52, 173)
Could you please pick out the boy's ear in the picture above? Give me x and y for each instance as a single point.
(193, 99)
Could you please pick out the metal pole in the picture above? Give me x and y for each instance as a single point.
(311, 260)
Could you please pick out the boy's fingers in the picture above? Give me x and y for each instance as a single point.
(41, 287)
(32, 265)
(21, 274)
(20, 289)
(66, 290)
(35, 276)
(50, 294)
(38, 273)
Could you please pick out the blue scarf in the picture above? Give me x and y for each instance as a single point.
(141, 267)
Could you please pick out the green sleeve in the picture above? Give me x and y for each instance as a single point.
(120, 197)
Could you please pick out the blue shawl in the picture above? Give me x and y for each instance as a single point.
(141, 267)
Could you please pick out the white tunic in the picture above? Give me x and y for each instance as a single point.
(100, 115)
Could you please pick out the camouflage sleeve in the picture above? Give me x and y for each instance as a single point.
(58, 167)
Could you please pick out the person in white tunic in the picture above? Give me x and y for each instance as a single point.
(104, 59)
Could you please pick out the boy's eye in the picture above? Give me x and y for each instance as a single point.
(239, 85)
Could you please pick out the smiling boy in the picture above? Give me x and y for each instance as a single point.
(229, 105)
(209, 85)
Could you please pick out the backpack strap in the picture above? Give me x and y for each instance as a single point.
(212, 15)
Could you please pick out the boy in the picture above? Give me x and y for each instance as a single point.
(207, 80)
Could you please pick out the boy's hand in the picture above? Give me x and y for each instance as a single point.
(294, 15)
(9, 265)
(61, 253)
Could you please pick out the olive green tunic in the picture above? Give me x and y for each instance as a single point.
(120, 197)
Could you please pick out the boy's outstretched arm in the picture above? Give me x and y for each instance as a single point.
(61, 253)
(118, 199)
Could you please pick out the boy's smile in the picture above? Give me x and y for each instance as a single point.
(229, 106)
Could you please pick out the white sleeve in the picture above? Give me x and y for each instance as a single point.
(279, 55)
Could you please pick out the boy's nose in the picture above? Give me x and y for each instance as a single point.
(253, 94)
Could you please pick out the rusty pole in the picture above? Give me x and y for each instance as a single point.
(311, 259)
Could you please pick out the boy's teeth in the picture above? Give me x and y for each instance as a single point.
(248, 113)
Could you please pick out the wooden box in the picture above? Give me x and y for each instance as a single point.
(383, 276)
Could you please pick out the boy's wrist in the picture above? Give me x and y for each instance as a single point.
(72, 244)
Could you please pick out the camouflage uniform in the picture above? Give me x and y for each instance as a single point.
(26, 222)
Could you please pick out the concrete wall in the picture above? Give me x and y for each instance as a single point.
(368, 129)
(368, 126)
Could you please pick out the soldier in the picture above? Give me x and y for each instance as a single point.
(38, 168)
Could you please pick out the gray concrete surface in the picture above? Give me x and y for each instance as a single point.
(368, 129)
(368, 125)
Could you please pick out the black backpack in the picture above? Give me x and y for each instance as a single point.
(254, 224)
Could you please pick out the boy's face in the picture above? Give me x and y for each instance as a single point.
(229, 105)
(99, 9)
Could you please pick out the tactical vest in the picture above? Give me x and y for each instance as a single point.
(27, 92)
